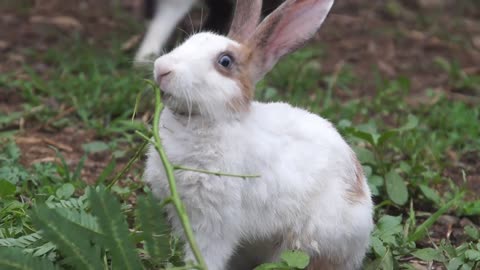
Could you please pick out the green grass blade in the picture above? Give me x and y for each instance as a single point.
(72, 240)
(421, 230)
(149, 216)
(15, 259)
(113, 225)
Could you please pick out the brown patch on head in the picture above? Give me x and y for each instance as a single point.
(356, 192)
(240, 73)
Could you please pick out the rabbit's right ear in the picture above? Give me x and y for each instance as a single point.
(284, 31)
(245, 19)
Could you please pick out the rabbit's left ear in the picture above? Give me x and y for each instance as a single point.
(245, 19)
(284, 31)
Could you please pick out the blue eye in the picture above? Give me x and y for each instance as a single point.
(225, 61)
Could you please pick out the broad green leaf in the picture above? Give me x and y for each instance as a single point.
(412, 122)
(473, 232)
(471, 208)
(429, 254)
(365, 156)
(6, 188)
(65, 191)
(378, 246)
(15, 259)
(455, 263)
(69, 238)
(373, 265)
(396, 188)
(388, 261)
(375, 182)
(297, 259)
(430, 194)
(472, 255)
(385, 136)
(114, 227)
(366, 136)
(95, 147)
(389, 223)
(388, 227)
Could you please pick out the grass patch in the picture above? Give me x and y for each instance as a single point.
(404, 150)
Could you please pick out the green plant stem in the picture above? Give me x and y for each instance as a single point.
(169, 170)
(187, 267)
(182, 168)
(178, 167)
(129, 165)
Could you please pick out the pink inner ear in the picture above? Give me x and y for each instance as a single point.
(286, 29)
(245, 20)
(292, 31)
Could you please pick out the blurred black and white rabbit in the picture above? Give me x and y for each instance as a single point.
(166, 14)
(311, 195)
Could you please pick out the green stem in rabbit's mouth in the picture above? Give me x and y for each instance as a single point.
(169, 170)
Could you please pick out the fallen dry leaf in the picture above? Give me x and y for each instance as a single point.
(62, 22)
(67, 23)
(476, 42)
(44, 160)
(131, 43)
(4, 45)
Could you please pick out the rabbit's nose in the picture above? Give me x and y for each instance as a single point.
(162, 69)
(162, 75)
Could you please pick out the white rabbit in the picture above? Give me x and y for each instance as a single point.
(311, 194)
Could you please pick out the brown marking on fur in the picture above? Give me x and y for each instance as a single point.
(246, 18)
(356, 192)
(240, 73)
(319, 263)
(265, 31)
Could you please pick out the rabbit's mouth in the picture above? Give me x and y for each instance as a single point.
(179, 106)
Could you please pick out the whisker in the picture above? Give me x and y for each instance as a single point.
(201, 18)
(185, 32)
(191, 23)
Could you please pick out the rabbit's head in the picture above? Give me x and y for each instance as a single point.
(215, 76)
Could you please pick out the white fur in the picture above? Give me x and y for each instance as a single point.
(195, 83)
(306, 168)
(167, 16)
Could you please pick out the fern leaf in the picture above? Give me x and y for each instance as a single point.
(71, 239)
(72, 203)
(41, 250)
(15, 259)
(81, 218)
(150, 217)
(21, 242)
(114, 226)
